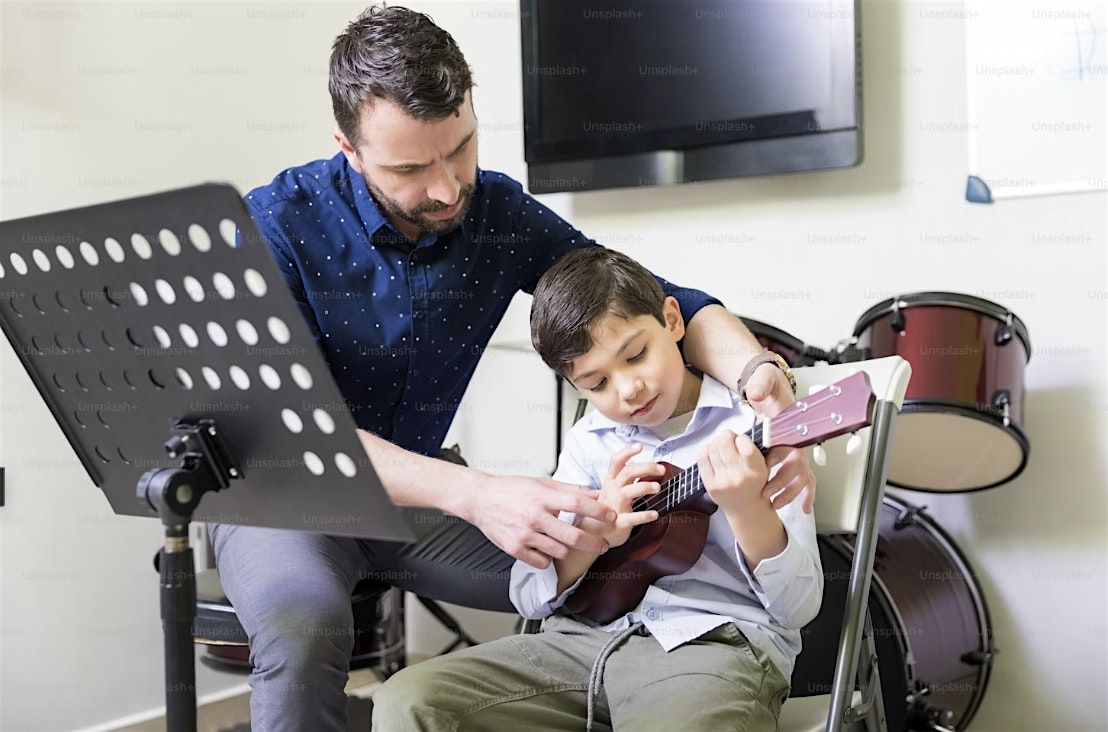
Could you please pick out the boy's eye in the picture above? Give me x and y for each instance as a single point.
(599, 385)
(638, 356)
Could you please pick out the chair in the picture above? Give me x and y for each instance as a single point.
(851, 487)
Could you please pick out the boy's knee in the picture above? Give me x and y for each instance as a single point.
(406, 701)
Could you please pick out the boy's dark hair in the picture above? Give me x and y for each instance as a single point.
(400, 55)
(581, 288)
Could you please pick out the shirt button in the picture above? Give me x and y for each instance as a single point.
(652, 614)
(662, 450)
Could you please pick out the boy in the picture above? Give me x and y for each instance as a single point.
(712, 648)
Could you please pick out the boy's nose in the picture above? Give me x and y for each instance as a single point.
(631, 389)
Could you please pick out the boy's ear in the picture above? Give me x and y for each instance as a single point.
(671, 313)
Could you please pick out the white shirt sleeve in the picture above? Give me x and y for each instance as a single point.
(789, 585)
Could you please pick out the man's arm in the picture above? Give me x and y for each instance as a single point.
(518, 514)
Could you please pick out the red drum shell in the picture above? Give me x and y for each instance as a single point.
(952, 435)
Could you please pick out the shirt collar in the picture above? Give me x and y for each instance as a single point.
(713, 395)
(372, 216)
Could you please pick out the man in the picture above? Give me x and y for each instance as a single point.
(404, 256)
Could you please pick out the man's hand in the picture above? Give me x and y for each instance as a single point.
(520, 515)
(769, 394)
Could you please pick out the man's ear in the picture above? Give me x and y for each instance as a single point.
(348, 150)
(671, 313)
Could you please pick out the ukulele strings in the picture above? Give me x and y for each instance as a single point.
(687, 482)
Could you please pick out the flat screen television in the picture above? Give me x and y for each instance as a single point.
(660, 92)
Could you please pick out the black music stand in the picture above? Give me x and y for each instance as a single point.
(163, 338)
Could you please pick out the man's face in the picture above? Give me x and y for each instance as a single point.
(421, 173)
(634, 373)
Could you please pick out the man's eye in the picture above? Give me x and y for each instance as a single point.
(599, 385)
(638, 356)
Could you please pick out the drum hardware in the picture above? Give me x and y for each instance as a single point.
(1004, 333)
(923, 716)
(846, 351)
(978, 658)
(1002, 401)
(898, 321)
(907, 516)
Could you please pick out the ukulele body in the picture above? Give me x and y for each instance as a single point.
(619, 578)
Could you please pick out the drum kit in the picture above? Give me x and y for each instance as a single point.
(960, 429)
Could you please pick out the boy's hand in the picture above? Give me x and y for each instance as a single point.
(733, 472)
(619, 491)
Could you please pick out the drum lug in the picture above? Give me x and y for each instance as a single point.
(1005, 332)
(979, 658)
(1002, 402)
(898, 321)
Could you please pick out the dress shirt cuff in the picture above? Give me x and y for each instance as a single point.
(774, 573)
(534, 592)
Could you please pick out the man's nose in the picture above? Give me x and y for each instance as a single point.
(445, 187)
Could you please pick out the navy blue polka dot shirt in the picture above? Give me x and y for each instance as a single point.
(403, 325)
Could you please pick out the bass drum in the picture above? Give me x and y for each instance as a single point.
(795, 351)
(931, 626)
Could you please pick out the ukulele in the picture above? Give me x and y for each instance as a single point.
(617, 581)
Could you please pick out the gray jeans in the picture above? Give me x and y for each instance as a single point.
(291, 591)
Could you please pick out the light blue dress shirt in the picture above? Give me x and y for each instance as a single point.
(769, 605)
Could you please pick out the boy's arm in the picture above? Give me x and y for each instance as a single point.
(776, 550)
(788, 583)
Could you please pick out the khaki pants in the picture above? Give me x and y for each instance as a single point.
(538, 682)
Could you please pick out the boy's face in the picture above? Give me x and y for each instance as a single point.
(634, 372)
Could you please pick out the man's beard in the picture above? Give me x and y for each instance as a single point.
(416, 217)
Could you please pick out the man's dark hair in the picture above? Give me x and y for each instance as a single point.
(400, 55)
(581, 288)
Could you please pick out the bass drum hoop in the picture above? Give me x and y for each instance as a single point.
(949, 299)
(933, 406)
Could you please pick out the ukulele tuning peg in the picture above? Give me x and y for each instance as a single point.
(853, 443)
(819, 455)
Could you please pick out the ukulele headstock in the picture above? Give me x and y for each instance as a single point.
(845, 406)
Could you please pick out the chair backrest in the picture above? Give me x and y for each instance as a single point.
(839, 483)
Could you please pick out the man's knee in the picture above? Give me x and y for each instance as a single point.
(300, 637)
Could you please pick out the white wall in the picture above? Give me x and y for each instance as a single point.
(104, 101)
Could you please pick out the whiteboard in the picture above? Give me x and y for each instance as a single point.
(1037, 84)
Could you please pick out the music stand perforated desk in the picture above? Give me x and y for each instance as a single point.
(163, 339)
